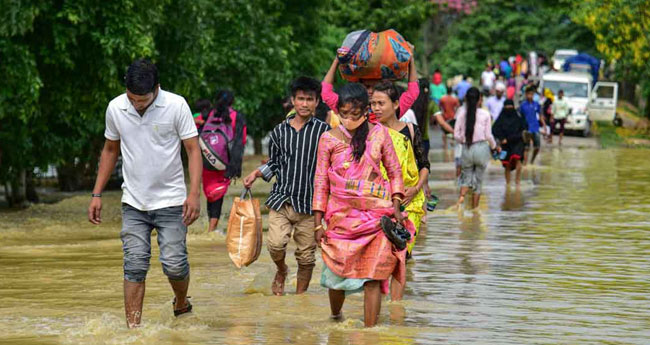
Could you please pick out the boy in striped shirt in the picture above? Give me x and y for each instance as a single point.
(293, 149)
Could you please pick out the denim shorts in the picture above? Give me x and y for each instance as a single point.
(136, 242)
(535, 138)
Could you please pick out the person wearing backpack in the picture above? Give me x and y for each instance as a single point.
(222, 141)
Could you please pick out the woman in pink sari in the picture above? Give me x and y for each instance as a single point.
(352, 195)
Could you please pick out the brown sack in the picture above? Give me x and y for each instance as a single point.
(244, 236)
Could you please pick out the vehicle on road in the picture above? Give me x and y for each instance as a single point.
(587, 103)
(560, 55)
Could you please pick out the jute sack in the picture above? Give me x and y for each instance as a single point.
(244, 236)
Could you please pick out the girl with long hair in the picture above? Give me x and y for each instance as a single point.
(473, 131)
(351, 195)
(216, 182)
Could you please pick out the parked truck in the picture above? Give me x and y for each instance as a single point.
(589, 99)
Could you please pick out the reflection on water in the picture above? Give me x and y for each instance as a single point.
(563, 258)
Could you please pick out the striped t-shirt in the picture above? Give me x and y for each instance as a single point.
(293, 163)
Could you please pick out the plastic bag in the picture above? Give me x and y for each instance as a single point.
(244, 236)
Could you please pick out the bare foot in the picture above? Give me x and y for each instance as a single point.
(460, 202)
(278, 282)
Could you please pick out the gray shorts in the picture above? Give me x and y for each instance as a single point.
(535, 138)
(475, 160)
(136, 242)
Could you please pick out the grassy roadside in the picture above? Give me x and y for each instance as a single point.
(611, 136)
(626, 136)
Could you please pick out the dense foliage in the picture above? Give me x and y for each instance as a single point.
(504, 28)
(62, 61)
(622, 30)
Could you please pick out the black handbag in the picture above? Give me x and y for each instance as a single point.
(395, 232)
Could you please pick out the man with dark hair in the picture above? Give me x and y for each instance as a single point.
(147, 125)
(532, 112)
(293, 147)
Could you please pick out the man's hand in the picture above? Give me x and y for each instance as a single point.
(248, 180)
(95, 211)
(191, 210)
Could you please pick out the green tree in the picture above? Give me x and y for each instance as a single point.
(61, 62)
(19, 92)
(622, 30)
(504, 28)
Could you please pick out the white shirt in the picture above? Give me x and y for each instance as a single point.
(560, 109)
(488, 78)
(495, 105)
(409, 117)
(151, 146)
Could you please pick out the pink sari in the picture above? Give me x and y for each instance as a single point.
(354, 196)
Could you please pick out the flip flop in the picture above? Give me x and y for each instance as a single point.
(185, 310)
(395, 232)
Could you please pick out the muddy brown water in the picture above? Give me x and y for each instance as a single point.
(563, 259)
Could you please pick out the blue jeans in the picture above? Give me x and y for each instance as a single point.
(136, 242)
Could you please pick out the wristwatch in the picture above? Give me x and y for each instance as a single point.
(96, 195)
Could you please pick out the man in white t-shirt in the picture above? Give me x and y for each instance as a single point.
(487, 79)
(148, 125)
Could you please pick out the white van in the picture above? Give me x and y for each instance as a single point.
(585, 104)
(560, 55)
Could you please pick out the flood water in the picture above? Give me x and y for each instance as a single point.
(564, 259)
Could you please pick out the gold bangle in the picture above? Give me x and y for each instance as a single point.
(398, 198)
(320, 227)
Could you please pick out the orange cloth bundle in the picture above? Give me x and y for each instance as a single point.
(371, 55)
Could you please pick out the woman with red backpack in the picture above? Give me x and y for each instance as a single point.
(222, 141)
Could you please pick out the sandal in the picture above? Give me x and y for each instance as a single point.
(278, 282)
(185, 310)
(395, 233)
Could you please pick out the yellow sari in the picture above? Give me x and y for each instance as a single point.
(411, 177)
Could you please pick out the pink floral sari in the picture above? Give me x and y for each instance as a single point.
(354, 196)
